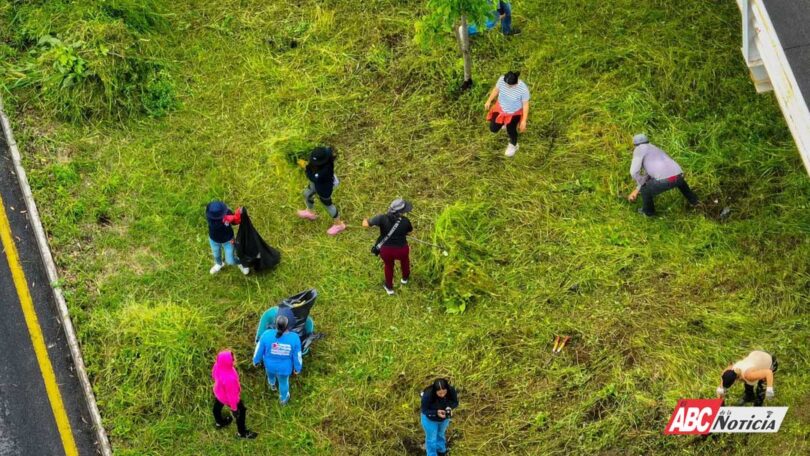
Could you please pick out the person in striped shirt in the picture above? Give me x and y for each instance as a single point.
(511, 109)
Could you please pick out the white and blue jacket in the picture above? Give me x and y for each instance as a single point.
(280, 355)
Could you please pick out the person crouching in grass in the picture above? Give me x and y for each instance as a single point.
(392, 245)
(511, 109)
(756, 369)
(220, 236)
(320, 171)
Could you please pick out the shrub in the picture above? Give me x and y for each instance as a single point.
(465, 231)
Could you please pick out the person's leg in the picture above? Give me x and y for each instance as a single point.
(749, 395)
(283, 388)
(512, 130)
(494, 126)
(309, 326)
(441, 440)
(405, 262)
(650, 190)
(388, 266)
(309, 196)
(506, 22)
(216, 250)
(686, 191)
(229, 258)
(760, 394)
(271, 380)
(431, 433)
(241, 416)
(218, 418)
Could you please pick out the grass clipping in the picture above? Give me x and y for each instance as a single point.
(465, 231)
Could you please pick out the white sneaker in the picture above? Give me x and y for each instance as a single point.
(244, 270)
(390, 291)
(215, 268)
(404, 281)
(510, 150)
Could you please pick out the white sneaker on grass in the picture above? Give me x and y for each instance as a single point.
(244, 270)
(215, 268)
(390, 291)
(511, 149)
(404, 281)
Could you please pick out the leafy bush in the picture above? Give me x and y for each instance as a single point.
(464, 231)
(87, 60)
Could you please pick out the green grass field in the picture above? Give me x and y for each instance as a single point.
(540, 245)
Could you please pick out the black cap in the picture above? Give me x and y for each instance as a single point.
(320, 155)
(729, 377)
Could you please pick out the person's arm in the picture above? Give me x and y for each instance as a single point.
(635, 171)
(259, 353)
(452, 397)
(426, 408)
(298, 360)
(525, 117)
(233, 219)
(492, 95)
(762, 374)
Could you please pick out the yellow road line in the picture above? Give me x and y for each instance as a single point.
(31, 320)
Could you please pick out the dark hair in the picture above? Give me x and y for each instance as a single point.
(281, 325)
(438, 384)
(729, 376)
(511, 77)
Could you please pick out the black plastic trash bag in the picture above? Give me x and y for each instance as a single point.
(251, 249)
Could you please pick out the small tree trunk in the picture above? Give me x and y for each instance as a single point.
(464, 44)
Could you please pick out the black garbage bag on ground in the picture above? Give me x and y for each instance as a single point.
(301, 304)
(251, 249)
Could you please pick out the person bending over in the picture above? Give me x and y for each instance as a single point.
(756, 369)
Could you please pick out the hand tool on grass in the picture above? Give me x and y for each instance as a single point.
(559, 343)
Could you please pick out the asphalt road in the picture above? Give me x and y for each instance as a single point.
(27, 421)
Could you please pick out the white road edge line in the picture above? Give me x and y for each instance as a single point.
(64, 316)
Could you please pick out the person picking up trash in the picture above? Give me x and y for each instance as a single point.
(661, 173)
(220, 236)
(280, 351)
(392, 244)
(756, 369)
(320, 171)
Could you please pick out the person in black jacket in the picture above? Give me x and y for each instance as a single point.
(438, 401)
(220, 235)
(320, 171)
(393, 245)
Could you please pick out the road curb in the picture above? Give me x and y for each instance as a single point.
(47, 259)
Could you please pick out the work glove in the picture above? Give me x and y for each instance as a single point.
(769, 392)
(721, 391)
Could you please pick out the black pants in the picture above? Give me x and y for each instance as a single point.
(655, 187)
(240, 413)
(758, 396)
(511, 128)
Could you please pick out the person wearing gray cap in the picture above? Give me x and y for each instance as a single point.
(661, 173)
(392, 245)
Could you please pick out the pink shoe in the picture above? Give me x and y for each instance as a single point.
(307, 214)
(335, 229)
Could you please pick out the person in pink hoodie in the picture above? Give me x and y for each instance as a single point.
(227, 391)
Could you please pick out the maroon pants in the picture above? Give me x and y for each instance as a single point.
(389, 255)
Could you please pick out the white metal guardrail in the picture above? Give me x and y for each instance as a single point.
(771, 71)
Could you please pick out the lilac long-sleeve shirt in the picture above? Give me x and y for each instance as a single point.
(655, 163)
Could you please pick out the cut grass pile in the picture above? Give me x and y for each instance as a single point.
(540, 245)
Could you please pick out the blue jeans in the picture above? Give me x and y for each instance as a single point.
(434, 435)
(283, 386)
(506, 22)
(217, 249)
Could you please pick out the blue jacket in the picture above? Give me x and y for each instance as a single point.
(280, 355)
